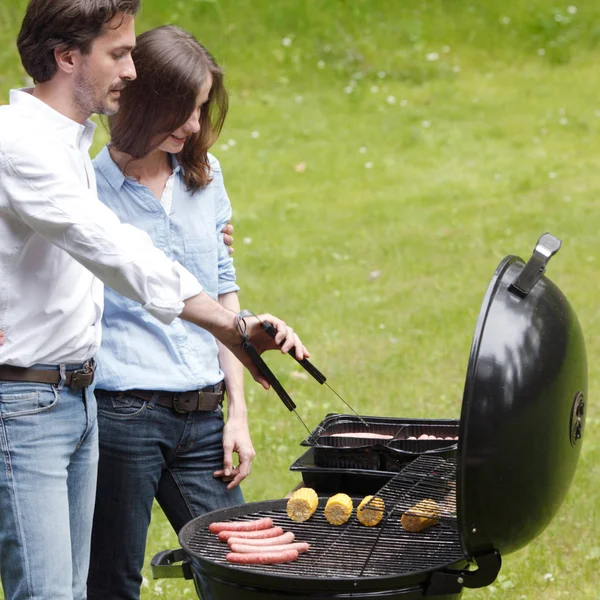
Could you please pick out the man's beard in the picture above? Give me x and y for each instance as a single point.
(85, 100)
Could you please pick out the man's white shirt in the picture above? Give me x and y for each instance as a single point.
(57, 241)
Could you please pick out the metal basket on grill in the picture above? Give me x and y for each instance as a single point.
(521, 427)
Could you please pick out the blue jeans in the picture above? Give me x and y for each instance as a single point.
(146, 452)
(49, 442)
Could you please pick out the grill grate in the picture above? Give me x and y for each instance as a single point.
(353, 550)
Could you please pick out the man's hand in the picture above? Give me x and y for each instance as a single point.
(236, 438)
(286, 340)
(227, 232)
(205, 312)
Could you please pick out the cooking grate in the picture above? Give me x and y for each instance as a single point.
(353, 550)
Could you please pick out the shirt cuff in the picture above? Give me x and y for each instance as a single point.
(166, 312)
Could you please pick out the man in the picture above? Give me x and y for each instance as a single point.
(57, 241)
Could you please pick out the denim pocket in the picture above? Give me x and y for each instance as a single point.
(19, 399)
(120, 406)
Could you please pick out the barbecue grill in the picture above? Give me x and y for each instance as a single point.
(520, 434)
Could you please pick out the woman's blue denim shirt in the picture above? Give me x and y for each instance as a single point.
(137, 351)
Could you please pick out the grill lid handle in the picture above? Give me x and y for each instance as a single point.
(452, 582)
(547, 246)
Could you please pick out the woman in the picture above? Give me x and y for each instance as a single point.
(160, 438)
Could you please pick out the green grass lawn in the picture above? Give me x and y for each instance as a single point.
(382, 157)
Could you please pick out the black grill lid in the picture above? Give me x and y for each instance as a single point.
(523, 408)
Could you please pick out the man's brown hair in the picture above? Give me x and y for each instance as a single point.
(70, 24)
(171, 68)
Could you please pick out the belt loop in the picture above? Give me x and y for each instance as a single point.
(63, 377)
(153, 400)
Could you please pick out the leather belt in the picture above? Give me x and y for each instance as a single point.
(206, 399)
(76, 380)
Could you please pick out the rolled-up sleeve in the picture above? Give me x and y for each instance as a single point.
(53, 202)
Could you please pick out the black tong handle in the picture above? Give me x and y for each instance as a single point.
(307, 366)
(268, 374)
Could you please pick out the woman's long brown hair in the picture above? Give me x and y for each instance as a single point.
(171, 68)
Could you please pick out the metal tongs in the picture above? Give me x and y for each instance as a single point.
(268, 374)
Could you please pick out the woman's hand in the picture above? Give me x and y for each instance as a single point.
(236, 439)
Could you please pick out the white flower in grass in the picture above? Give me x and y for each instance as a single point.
(374, 89)
(572, 10)
(255, 134)
(456, 69)
(391, 99)
(548, 577)
(563, 121)
(505, 20)
(327, 48)
(381, 325)
(497, 176)
(362, 149)
(541, 51)
(558, 18)
(432, 56)
(552, 175)
(348, 89)
(425, 124)
(476, 100)
(247, 241)
(298, 99)
(299, 375)
(286, 41)
(321, 64)
(224, 147)
(368, 165)
(232, 143)
(446, 49)
(381, 74)
(567, 199)
(403, 103)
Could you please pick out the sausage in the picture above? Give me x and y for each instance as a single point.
(247, 549)
(262, 558)
(285, 538)
(256, 525)
(251, 535)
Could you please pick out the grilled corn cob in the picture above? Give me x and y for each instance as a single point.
(338, 509)
(302, 504)
(420, 516)
(373, 513)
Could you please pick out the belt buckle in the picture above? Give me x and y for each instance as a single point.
(182, 406)
(83, 377)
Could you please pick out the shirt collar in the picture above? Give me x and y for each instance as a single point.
(109, 169)
(113, 174)
(73, 133)
(175, 164)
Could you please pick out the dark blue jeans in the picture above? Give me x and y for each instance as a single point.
(146, 452)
